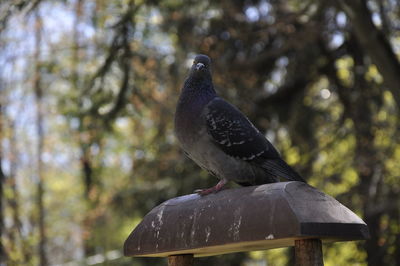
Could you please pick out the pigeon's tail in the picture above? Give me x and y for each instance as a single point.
(280, 168)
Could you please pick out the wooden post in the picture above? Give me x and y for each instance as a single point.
(308, 252)
(180, 260)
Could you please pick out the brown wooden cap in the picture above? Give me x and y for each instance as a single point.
(243, 219)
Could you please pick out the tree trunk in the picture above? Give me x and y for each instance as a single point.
(38, 90)
(375, 44)
(3, 254)
(14, 234)
(357, 102)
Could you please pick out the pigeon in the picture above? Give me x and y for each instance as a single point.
(221, 139)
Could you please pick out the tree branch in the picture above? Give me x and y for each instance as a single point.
(375, 44)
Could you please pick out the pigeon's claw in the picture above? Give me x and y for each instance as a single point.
(214, 189)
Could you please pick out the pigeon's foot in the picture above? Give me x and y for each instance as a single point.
(214, 189)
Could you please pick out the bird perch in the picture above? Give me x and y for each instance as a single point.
(245, 219)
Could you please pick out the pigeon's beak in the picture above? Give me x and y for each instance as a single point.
(199, 66)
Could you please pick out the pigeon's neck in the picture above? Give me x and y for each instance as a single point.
(196, 93)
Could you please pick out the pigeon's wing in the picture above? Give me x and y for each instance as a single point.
(235, 134)
(230, 130)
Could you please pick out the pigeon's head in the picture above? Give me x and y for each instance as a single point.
(201, 66)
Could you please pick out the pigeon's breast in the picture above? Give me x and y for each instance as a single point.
(188, 128)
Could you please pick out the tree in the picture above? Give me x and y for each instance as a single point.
(3, 254)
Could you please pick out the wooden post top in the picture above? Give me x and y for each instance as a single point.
(243, 219)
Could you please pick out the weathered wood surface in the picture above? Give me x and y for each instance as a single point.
(243, 219)
(308, 252)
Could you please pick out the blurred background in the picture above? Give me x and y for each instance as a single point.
(88, 92)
